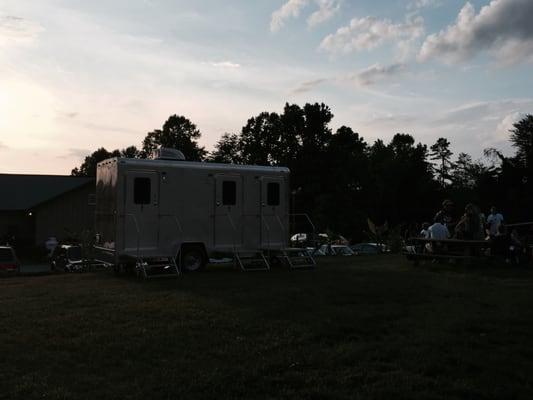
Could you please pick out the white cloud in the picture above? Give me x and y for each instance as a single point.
(370, 32)
(506, 124)
(15, 30)
(503, 28)
(293, 8)
(420, 4)
(326, 10)
(377, 73)
(225, 64)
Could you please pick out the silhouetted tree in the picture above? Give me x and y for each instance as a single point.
(227, 150)
(347, 166)
(402, 188)
(522, 140)
(88, 167)
(260, 139)
(179, 133)
(440, 151)
(130, 152)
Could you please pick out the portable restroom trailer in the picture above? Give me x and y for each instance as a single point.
(180, 213)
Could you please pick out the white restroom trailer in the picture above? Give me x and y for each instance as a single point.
(180, 213)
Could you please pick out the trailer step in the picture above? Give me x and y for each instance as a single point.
(156, 268)
(295, 259)
(252, 262)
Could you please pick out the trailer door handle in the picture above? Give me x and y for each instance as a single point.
(218, 203)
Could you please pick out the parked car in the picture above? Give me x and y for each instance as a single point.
(67, 257)
(369, 248)
(9, 262)
(315, 251)
(333, 250)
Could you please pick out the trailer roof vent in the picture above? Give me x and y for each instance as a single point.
(166, 153)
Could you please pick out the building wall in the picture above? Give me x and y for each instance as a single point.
(68, 216)
(18, 224)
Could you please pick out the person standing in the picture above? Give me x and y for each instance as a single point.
(494, 222)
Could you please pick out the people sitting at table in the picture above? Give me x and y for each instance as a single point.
(469, 226)
(446, 214)
(494, 222)
(424, 233)
(515, 247)
(438, 230)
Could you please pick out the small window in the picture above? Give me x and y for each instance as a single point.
(273, 194)
(142, 190)
(229, 193)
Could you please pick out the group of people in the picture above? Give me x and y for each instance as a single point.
(473, 225)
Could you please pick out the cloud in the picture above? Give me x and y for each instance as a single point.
(370, 32)
(76, 153)
(293, 8)
(225, 64)
(420, 4)
(308, 86)
(503, 28)
(69, 114)
(486, 123)
(16, 30)
(377, 73)
(507, 123)
(327, 9)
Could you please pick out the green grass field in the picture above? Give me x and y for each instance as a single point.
(354, 328)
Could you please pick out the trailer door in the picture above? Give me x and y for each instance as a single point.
(228, 212)
(141, 225)
(273, 213)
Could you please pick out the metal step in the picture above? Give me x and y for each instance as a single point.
(296, 260)
(156, 268)
(252, 261)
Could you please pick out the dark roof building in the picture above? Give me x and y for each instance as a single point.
(35, 207)
(23, 192)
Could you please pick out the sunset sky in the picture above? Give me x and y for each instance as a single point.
(76, 75)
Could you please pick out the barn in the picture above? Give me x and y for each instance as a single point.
(36, 207)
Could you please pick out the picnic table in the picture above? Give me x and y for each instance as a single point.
(419, 249)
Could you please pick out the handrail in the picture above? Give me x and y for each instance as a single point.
(282, 226)
(138, 231)
(178, 224)
(234, 227)
(267, 230)
(308, 220)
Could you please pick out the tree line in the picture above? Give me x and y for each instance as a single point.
(342, 181)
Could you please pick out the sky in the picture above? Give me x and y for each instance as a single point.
(76, 75)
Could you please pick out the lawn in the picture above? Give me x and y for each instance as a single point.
(354, 328)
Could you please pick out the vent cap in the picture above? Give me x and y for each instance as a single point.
(167, 153)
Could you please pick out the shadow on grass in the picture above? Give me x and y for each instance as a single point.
(369, 327)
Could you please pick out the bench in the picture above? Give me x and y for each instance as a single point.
(447, 249)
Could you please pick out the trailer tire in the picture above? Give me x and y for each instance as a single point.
(192, 259)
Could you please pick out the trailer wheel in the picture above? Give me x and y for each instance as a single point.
(192, 259)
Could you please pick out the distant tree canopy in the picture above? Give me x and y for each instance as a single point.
(179, 133)
(88, 167)
(340, 180)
